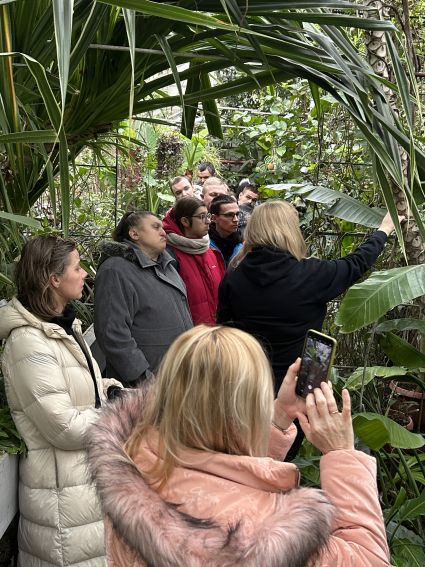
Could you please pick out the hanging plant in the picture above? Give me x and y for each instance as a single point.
(169, 155)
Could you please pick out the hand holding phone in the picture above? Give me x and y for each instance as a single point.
(316, 362)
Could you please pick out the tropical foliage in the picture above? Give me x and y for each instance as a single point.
(65, 80)
(72, 70)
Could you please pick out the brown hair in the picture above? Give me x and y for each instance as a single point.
(185, 207)
(275, 223)
(129, 220)
(41, 257)
(204, 364)
(177, 179)
(215, 205)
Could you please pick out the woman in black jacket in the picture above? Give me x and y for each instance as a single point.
(276, 293)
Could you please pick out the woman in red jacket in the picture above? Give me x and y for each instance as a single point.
(200, 267)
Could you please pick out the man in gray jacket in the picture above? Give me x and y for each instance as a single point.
(140, 300)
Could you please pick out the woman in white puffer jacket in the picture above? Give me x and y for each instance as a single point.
(54, 388)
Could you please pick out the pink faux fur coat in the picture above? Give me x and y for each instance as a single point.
(224, 510)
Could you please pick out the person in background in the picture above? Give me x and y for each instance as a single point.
(140, 302)
(54, 390)
(247, 199)
(181, 186)
(200, 267)
(205, 170)
(247, 193)
(213, 187)
(276, 293)
(191, 472)
(225, 235)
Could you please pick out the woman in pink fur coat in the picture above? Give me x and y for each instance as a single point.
(191, 473)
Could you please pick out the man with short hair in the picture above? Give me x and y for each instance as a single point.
(224, 233)
(247, 200)
(213, 187)
(249, 195)
(181, 186)
(205, 170)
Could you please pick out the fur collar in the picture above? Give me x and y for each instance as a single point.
(294, 532)
(131, 252)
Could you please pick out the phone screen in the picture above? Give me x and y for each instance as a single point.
(315, 363)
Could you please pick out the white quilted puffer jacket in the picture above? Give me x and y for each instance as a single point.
(51, 395)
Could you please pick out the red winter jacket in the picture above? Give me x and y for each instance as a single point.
(202, 274)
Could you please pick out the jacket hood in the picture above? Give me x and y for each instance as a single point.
(170, 224)
(131, 252)
(266, 265)
(292, 534)
(14, 315)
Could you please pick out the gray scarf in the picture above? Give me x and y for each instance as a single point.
(189, 245)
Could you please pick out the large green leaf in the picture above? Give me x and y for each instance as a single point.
(377, 430)
(367, 301)
(401, 352)
(62, 14)
(27, 221)
(339, 204)
(370, 372)
(174, 13)
(130, 26)
(211, 112)
(30, 137)
(406, 554)
(412, 509)
(401, 325)
(407, 547)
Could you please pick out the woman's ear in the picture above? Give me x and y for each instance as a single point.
(54, 280)
(133, 234)
(185, 222)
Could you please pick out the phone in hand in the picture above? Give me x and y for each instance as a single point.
(316, 362)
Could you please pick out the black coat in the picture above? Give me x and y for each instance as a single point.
(277, 298)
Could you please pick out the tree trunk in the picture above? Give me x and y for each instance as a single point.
(377, 54)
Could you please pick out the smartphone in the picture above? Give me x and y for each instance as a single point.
(316, 362)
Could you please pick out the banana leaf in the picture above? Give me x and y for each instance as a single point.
(401, 325)
(367, 301)
(339, 205)
(401, 352)
(378, 430)
(355, 380)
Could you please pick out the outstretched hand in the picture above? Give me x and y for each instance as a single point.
(387, 224)
(324, 426)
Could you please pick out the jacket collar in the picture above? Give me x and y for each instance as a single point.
(161, 535)
(15, 315)
(131, 252)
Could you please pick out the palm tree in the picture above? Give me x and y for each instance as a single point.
(67, 68)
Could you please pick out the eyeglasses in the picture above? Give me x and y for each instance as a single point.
(229, 215)
(204, 217)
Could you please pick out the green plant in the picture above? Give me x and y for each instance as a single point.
(59, 100)
(401, 462)
(10, 440)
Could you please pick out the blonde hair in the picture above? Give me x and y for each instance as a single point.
(275, 223)
(212, 182)
(214, 393)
